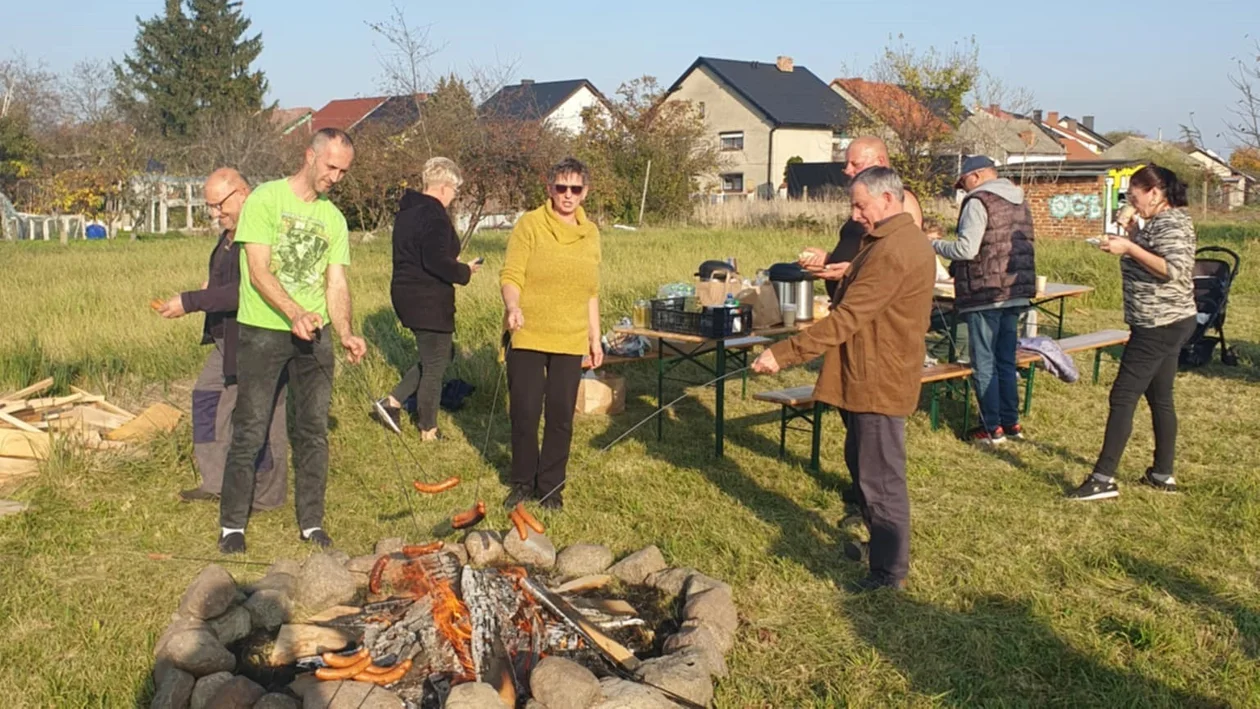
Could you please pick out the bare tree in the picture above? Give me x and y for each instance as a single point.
(991, 90)
(87, 93)
(404, 61)
(1245, 125)
(29, 87)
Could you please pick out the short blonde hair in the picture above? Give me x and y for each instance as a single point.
(441, 171)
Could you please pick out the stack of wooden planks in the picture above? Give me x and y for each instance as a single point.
(30, 421)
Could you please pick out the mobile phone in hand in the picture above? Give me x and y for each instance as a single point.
(478, 261)
(1094, 241)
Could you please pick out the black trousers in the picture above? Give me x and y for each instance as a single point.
(541, 383)
(263, 356)
(875, 453)
(1148, 368)
(425, 379)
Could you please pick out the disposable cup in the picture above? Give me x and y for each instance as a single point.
(1041, 285)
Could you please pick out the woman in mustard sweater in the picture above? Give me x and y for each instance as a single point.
(550, 284)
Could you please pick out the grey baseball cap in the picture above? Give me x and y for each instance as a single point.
(971, 164)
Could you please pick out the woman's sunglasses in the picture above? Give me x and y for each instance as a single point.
(575, 189)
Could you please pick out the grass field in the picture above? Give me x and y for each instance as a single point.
(1017, 597)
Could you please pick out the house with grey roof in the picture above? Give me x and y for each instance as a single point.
(761, 115)
(559, 104)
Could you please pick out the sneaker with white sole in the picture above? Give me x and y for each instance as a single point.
(1169, 485)
(1094, 489)
(1015, 431)
(979, 436)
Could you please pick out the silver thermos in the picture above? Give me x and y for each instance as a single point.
(794, 286)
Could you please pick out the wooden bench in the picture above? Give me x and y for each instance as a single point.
(799, 403)
(1092, 341)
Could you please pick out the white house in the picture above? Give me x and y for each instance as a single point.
(559, 104)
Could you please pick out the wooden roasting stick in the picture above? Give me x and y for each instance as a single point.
(614, 650)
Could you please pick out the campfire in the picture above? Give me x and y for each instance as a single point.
(425, 627)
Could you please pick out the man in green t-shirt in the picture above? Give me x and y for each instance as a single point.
(296, 249)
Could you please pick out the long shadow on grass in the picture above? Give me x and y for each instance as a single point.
(1247, 369)
(1191, 590)
(805, 536)
(999, 653)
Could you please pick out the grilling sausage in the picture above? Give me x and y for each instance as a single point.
(435, 488)
(336, 661)
(519, 522)
(411, 551)
(384, 675)
(470, 518)
(529, 518)
(335, 673)
(374, 577)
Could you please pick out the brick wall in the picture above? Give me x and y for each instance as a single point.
(1065, 207)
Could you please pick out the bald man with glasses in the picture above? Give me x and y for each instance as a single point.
(214, 394)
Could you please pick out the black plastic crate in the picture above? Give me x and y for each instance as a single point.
(668, 315)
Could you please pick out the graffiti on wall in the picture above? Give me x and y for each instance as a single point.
(1081, 206)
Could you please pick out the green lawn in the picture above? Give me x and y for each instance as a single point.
(1017, 597)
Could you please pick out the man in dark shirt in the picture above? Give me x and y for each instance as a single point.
(214, 394)
(862, 153)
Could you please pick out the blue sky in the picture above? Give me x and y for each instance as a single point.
(1071, 56)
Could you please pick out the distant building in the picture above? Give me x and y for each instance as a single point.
(761, 115)
(397, 112)
(559, 104)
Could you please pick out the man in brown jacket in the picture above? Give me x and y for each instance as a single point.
(873, 348)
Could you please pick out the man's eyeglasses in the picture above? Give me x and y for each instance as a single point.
(218, 206)
(575, 189)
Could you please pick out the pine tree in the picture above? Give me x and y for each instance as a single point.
(193, 58)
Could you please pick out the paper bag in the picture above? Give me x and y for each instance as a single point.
(601, 393)
(713, 293)
(765, 304)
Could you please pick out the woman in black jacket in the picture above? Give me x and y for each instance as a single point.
(426, 271)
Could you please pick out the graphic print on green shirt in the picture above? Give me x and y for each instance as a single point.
(305, 237)
(297, 256)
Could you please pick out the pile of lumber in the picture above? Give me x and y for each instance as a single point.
(29, 422)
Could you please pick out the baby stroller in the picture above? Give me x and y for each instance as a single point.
(1215, 268)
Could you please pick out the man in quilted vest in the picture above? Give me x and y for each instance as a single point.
(995, 278)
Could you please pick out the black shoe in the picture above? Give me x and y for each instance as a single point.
(849, 495)
(319, 538)
(1094, 489)
(1015, 431)
(233, 543)
(1169, 485)
(519, 494)
(388, 416)
(877, 583)
(555, 503)
(857, 551)
(196, 495)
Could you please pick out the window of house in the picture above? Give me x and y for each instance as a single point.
(700, 107)
(732, 141)
(733, 182)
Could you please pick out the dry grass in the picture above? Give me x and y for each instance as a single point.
(1018, 598)
(771, 214)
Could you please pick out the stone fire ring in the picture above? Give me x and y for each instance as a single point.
(194, 669)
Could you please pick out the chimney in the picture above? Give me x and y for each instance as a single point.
(1037, 116)
(995, 109)
(784, 64)
(1071, 125)
(527, 82)
(1088, 122)
(1053, 118)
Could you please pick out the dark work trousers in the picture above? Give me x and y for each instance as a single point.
(875, 452)
(212, 405)
(425, 379)
(541, 383)
(263, 356)
(1148, 367)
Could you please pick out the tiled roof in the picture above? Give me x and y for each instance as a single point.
(344, 113)
(893, 105)
(795, 98)
(531, 101)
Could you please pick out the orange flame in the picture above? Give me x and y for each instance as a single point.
(454, 623)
